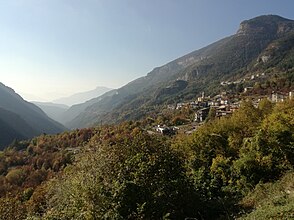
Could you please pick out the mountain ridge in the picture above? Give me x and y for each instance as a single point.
(24, 118)
(53, 110)
(203, 69)
(81, 97)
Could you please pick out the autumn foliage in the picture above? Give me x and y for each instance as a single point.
(123, 172)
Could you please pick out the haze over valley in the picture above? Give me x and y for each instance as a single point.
(146, 109)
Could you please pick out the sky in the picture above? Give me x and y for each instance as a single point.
(55, 48)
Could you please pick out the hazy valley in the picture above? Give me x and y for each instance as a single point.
(209, 135)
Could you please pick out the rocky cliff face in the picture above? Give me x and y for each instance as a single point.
(267, 24)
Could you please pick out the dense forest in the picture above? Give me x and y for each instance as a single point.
(233, 167)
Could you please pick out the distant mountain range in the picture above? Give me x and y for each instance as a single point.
(82, 96)
(62, 113)
(53, 110)
(20, 119)
(264, 43)
(74, 111)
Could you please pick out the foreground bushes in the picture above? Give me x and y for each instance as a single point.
(138, 178)
(217, 172)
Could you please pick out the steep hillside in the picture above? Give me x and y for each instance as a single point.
(75, 110)
(13, 127)
(23, 117)
(17, 123)
(98, 108)
(203, 70)
(8, 134)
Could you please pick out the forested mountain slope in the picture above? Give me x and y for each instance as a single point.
(237, 166)
(261, 44)
(26, 119)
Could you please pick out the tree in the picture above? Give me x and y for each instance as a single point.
(211, 114)
(137, 177)
(265, 106)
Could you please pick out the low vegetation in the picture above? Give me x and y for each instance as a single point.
(236, 167)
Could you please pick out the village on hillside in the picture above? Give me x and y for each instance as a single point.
(223, 105)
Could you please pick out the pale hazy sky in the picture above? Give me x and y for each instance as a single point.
(54, 48)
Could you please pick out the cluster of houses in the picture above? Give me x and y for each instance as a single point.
(165, 130)
(248, 78)
(280, 97)
(222, 104)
